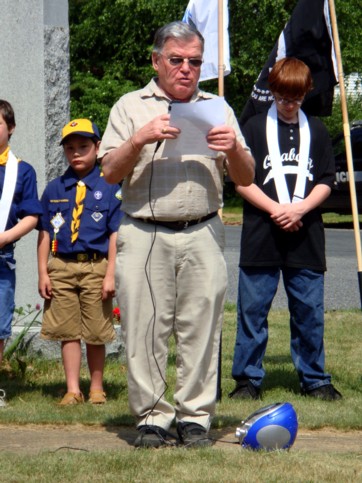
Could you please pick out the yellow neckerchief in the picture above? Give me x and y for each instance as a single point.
(78, 209)
(4, 156)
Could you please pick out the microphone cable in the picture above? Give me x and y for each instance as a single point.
(153, 299)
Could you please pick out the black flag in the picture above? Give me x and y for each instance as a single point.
(308, 37)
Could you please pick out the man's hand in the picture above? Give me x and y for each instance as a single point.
(240, 164)
(221, 138)
(156, 130)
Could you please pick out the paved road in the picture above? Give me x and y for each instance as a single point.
(341, 282)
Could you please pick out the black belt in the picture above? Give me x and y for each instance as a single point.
(178, 225)
(80, 257)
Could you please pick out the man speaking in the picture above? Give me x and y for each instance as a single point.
(170, 270)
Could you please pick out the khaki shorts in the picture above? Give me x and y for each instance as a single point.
(76, 310)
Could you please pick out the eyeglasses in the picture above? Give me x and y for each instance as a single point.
(178, 61)
(285, 102)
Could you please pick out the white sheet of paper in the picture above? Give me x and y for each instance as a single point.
(194, 119)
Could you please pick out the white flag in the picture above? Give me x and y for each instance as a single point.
(203, 14)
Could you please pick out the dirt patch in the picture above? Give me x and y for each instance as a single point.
(33, 439)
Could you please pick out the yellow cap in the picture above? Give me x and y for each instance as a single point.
(83, 127)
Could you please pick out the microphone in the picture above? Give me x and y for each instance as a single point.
(159, 142)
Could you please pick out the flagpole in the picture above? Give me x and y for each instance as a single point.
(220, 57)
(220, 25)
(221, 66)
(347, 137)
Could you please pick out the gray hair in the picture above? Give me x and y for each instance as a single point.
(175, 30)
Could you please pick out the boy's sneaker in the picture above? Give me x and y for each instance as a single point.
(151, 437)
(2, 398)
(245, 390)
(193, 435)
(327, 393)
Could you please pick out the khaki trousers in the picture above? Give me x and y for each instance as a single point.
(171, 283)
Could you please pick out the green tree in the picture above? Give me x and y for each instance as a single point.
(111, 42)
(110, 45)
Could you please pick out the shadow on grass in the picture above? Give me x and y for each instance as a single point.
(17, 384)
(281, 379)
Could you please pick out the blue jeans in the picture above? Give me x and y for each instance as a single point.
(7, 293)
(305, 291)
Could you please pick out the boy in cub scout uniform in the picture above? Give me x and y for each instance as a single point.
(19, 210)
(78, 230)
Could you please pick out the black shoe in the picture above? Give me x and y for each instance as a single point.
(327, 393)
(245, 390)
(193, 435)
(151, 437)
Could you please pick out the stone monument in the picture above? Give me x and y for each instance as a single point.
(34, 78)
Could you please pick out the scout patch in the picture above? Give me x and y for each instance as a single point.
(57, 221)
(97, 216)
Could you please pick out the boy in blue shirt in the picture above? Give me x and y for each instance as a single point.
(79, 229)
(19, 210)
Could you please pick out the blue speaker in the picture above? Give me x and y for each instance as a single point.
(270, 428)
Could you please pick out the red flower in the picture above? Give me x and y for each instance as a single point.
(117, 313)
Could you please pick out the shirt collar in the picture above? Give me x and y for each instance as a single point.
(70, 178)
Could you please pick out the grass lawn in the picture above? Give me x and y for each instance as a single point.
(35, 386)
(32, 398)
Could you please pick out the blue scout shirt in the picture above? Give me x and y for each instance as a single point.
(25, 201)
(100, 218)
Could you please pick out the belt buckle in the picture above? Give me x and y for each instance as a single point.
(82, 257)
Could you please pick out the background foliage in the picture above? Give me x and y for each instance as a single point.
(111, 40)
